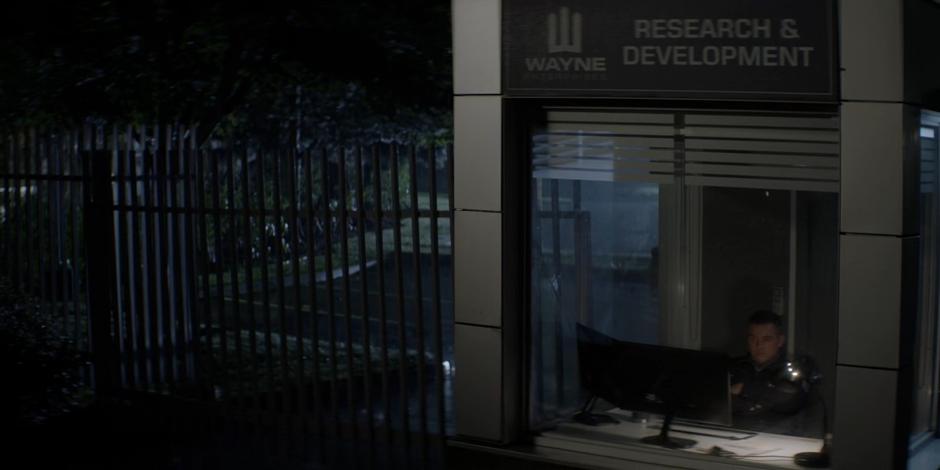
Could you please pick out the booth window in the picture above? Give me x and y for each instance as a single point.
(655, 239)
(925, 413)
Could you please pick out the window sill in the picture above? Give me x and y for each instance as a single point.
(619, 443)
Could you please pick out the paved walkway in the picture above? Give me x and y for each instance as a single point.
(160, 434)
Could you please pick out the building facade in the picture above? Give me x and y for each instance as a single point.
(657, 170)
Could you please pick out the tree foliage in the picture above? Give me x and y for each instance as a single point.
(329, 68)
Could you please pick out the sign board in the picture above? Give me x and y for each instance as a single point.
(747, 49)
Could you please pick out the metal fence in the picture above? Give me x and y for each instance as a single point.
(313, 283)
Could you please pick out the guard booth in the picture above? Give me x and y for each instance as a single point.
(656, 171)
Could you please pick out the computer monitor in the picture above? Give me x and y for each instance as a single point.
(657, 379)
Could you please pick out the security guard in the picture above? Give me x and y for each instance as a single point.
(766, 392)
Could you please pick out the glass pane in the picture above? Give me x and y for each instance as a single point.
(595, 261)
(652, 289)
(773, 252)
(925, 379)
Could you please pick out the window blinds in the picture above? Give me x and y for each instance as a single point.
(750, 150)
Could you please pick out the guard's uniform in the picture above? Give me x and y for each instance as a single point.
(768, 400)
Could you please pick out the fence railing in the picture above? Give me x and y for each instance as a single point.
(311, 282)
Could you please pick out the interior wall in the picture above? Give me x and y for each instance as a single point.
(745, 254)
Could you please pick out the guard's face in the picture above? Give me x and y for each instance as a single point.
(764, 342)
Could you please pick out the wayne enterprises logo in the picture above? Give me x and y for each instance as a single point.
(564, 60)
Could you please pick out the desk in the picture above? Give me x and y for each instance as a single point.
(622, 440)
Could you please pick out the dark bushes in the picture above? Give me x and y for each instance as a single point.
(39, 367)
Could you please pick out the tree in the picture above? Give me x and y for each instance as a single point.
(334, 68)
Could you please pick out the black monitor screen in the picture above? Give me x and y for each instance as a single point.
(688, 383)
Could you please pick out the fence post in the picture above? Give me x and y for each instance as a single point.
(99, 239)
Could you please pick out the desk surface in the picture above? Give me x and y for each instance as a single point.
(761, 450)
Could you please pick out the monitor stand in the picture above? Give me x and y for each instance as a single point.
(584, 416)
(663, 439)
